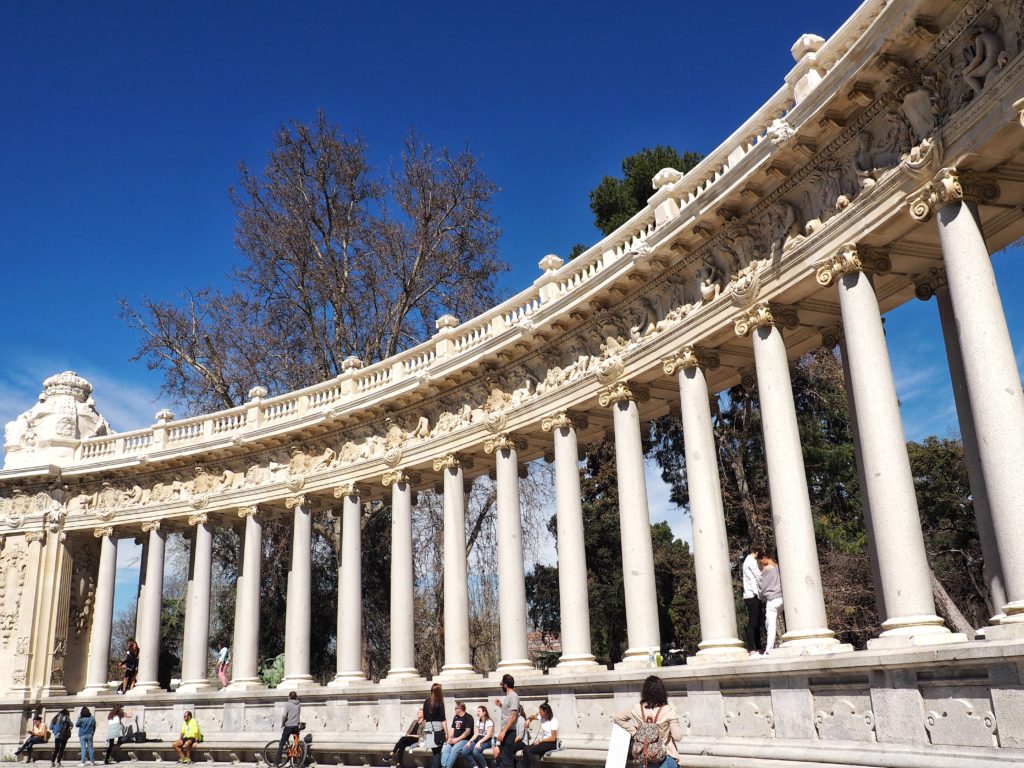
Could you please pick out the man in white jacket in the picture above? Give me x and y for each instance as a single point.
(753, 601)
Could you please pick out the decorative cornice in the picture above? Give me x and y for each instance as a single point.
(851, 258)
(298, 500)
(150, 525)
(99, 533)
(200, 519)
(691, 356)
(564, 420)
(930, 283)
(252, 511)
(763, 315)
(950, 186)
(504, 442)
(399, 477)
(621, 391)
(351, 488)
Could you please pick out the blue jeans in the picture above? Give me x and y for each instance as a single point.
(85, 743)
(450, 753)
(669, 762)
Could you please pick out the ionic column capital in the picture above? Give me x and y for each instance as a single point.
(851, 258)
(99, 533)
(200, 519)
(928, 284)
(246, 512)
(33, 536)
(564, 420)
(692, 356)
(505, 441)
(399, 477)
(452, 461)
(622, 391)
(952, 185)
(298, 500)
(832, 337)
(151, 525)
(351, 488)
(763, 315)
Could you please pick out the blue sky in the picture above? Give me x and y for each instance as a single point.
(124, 124)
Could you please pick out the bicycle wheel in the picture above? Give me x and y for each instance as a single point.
(297, 754)
(270, 752)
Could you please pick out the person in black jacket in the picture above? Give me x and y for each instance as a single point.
(60, 727)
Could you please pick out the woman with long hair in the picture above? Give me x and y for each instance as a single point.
(412, 735)
(115, 732)
(130, 665)
(86, 725)
(435, 727)
(60, 727)
(653, 717)
(482, 739)
(547, 739)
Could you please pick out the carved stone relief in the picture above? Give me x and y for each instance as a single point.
(12, 582)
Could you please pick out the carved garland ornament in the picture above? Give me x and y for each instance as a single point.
(951, 185)
(851, 258)
(764, 315)
(691, 357)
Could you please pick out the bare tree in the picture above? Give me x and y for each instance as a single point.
(338, 262)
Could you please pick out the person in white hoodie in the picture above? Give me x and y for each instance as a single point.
(752, 599)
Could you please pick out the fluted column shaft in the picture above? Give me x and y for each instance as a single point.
(515, 654)
(152, 607)
(791, 507)
(245, 653)
(102, 617)
(299, 607)
(715, 601)
(992, 570)
(574, 605)
(642, 629)
(993, 385)
(196, 646)
(403, 609)
(456, 592)
(902, 559)
(350, 594)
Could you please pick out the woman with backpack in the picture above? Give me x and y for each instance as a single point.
(60, 727)
(86, 726)
(654, 725)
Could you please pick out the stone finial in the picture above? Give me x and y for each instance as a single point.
(807, 73)
(805, 44)
(351, 363)
(164, 415)
(550, 262)
(665, 177)
(446, 322)
(257, 393)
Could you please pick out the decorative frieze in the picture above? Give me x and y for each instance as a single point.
(763, 315)
(951, 185)
(691, 356)
(850, 258)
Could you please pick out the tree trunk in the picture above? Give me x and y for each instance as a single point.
(947, 608)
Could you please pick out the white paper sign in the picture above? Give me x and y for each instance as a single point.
(618, 747)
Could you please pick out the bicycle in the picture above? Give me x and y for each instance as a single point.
(294, 754)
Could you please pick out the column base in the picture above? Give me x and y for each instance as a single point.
(639, 658)
(403, 675)
(146, 688)
(345, 679)
(92, 691)
(1013, 613)
(195, 686)
(909, 631)
(246, 684)
(298, 681)
(579, 664)
(719, 652)
(820, 649)
(1004, 631)
(457, 671)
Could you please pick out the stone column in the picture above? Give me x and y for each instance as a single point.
(299, 606)
(715, 598)
(21, 677)
(889, 483)
(514, 652)
(644, 636)
(245, 653)
(152, 607)
(456, 594)
(993, 382)
(143, 541)
(573, 600)
(791, 507)
(992, 570)
(350, 588)
(195, 653)
(403, 609)
(97, 670)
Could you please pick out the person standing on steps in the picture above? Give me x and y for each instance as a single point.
(222, 665)
(509, 714)
(770, 585)
(752, 599)
(86, 725)
(290, 723)
(60, 727)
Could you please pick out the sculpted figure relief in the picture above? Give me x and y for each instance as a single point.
(987, 55)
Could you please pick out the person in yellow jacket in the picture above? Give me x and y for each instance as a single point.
(190, 736)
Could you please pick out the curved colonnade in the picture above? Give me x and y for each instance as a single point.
(885, 168)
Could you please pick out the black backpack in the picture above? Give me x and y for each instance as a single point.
(62, 728)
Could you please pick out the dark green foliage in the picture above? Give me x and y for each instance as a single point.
(614, 201)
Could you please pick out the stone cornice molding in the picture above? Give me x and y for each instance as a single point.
(952, 185)
(850, 258)
(298, 500)
(930, 283)
(691, 356)
(504, 442)
(200, 519)
(622, 391)
(99, 533)
(150, 525)
(399, 477)
(564, 420)
(351, 488)
(763, 315)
